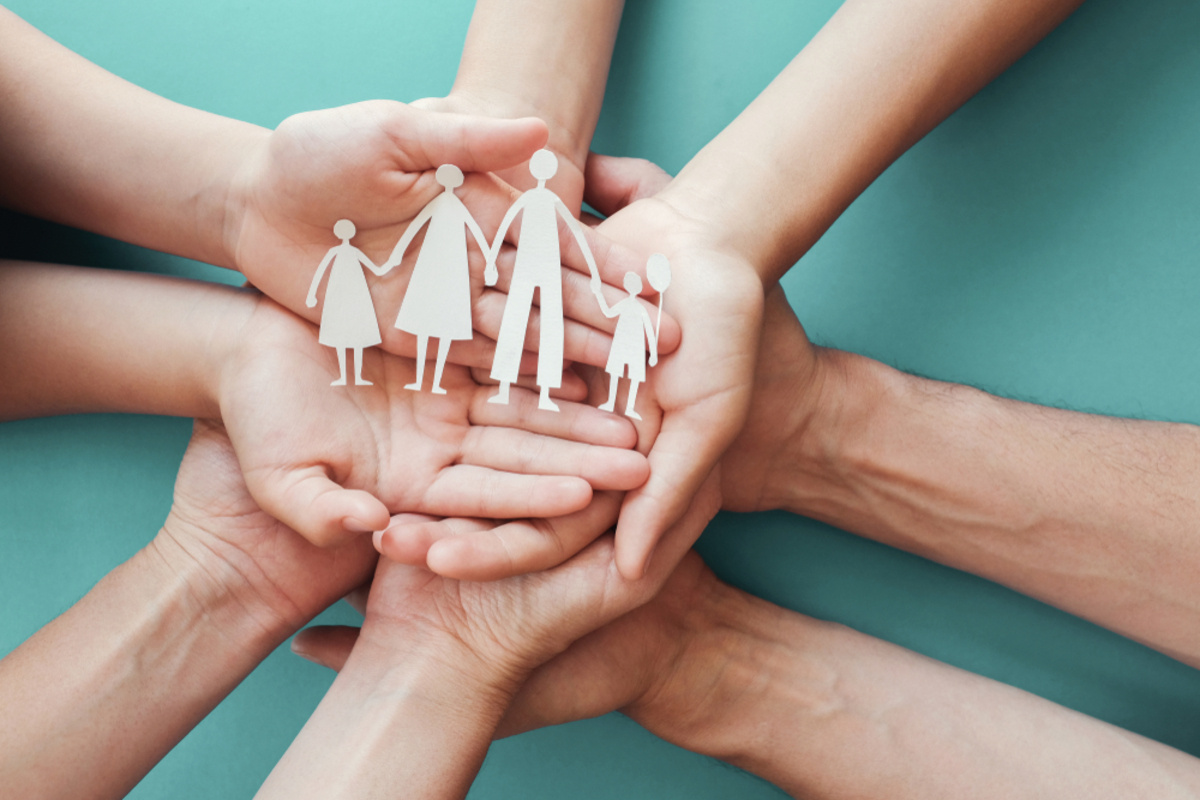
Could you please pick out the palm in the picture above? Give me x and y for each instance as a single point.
(695, 401)
(300, 441)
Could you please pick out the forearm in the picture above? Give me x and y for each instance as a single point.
(545, 59)
(826, 712)
(416, 720)
(1093, 514)
(86, 148)
(879, 76)
(90, 340)
(97, 697)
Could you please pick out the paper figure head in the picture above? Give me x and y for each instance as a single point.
(449, 176)
(658, 272)
(543, 165)
(633, 283)
(344, 229)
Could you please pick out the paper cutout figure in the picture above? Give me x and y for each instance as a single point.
(437, 303)
(538, 266)
(348, 316)
(633, 331)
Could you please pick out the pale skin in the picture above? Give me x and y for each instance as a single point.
(85, 148)
(818, 709)
(331, 464)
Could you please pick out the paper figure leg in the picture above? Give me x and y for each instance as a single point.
(544, 401)
(501, 396)
(629, 412)
(359, 380)
(422, 344)
(443, 351)
(613, 381)
(550, 340)
(341, 381)
(510, 342)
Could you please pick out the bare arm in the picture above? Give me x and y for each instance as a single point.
(878, 77)
(86, 148)
(557, 71)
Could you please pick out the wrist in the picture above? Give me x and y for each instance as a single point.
(232, 193)
(570, 139)
(222, 587)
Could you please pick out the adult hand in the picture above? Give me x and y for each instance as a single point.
(335, 462)
(438, 662)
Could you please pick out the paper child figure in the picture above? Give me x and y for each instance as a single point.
(538, 266)
(348, 317)
(438, 301)
(634, 329)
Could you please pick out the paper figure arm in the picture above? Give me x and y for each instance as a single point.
(651, 335)
(477, 232)
(311, 301)
(368, 263)
(410, 233)
(491, 274)
(607, 310)
(577, 230)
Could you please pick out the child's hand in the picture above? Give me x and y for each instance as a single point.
(334, 462)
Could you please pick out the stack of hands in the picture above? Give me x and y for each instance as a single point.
(519, 568)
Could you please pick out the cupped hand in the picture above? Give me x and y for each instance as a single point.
(332, 462)
(242, 551)
(513, 625)
(374, 163)
(693, 404)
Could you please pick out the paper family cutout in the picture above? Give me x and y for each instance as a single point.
(437, 303)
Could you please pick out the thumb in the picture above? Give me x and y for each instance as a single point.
(611, 183)
(427, 139)
(327, 645)
(321, 511)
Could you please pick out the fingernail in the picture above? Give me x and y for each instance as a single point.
(377, 540)
(299, 649)
(355, 525)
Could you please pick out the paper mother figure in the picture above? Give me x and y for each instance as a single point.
(634, 330)
(348, 316)
(538, 266)
(437, 303)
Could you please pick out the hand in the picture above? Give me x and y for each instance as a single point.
(656, 663)
(217, 532)
(512, 625)
(490, 274)
(699, 398)
(791, 381)
(696, 402)
(654, 359)
(373, 163)
(335, 462)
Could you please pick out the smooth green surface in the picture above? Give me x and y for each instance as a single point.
(1042, 244)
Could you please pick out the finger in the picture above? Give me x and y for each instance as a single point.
(327, 645)
(357, 598)
(408, 539)
(516, 548)
(575, 421)
(611, 183)
(426, 139)
(464, 490)
(512, 450)
(681, 459)
(321, 511)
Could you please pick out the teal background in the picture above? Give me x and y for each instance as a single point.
(1040, 244)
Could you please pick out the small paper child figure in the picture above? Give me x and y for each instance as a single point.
(348, 317)
(634, 330)
(438, 300)
(538, 266)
